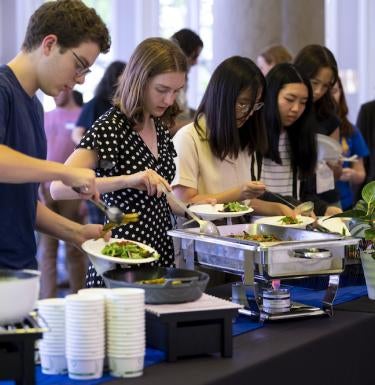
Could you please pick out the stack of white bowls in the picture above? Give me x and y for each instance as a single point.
(102, 291)
(52, 346)
(85, 336)
(126, 342)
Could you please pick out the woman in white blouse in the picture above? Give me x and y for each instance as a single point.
(214, 152)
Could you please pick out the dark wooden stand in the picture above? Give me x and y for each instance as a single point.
(191, 333)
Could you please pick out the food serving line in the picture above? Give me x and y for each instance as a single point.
(296, 253)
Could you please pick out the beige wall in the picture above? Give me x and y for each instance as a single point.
(245, 27)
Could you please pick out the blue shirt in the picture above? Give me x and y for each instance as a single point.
(355, 145)
(92, 110)
(21, 128)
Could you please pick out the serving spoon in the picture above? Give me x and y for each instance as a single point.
(205, 227)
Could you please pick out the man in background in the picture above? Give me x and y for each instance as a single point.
(191, 45)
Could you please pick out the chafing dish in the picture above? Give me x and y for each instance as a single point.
(299, 253)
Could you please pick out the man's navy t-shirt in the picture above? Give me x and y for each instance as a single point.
(21, 128)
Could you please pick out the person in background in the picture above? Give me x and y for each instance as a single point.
(352, 143)
(58, 125)
(101, 102)
(55, 55)
(92, 110)
(271, 56)
(130, 148)
(366, 125)
(192, 45)
(291, 156)
(317, 63)
(214, 152)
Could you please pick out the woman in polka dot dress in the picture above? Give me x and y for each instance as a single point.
(131, 150)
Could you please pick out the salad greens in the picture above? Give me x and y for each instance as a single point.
(234, 207)
(288, 220)
(127, 250)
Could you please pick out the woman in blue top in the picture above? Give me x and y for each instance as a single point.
(352, 143)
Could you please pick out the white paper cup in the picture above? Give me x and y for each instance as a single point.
(94, 290)
(126, 366)
(85, 369)
(53, 364)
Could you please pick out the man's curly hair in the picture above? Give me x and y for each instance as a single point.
(71, 21)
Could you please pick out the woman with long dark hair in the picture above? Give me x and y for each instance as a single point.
(318, 64)
(291, 157)
(214, 152)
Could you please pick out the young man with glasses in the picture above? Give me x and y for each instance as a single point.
(56, 55)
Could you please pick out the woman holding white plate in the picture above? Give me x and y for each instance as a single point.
(214, 152)
(131, 150)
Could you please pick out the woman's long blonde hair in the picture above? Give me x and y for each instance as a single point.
(153, 56)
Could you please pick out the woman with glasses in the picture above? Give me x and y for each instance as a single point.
(214, 152)
(318, 64)
(130, 148)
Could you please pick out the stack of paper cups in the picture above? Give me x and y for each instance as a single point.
(102, 291)
(52, 346)
(85, 331)
(126, 342)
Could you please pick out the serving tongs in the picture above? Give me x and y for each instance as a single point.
(305, 208)
(205, 227)
(169, 281)
(114, 214)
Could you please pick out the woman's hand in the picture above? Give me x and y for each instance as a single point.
(332, 210)
(347, 174)
(336, 168)
(284, 210)
(250, 190)
(148, 180)
(90, 231)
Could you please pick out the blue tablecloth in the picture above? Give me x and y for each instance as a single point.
(241, 325)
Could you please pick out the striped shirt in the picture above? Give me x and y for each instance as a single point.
(279, 177)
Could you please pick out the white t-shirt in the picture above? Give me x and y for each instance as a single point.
(198, 168)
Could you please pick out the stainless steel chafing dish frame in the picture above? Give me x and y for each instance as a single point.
(255, 261)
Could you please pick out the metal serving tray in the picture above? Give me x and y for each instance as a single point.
(267, 259)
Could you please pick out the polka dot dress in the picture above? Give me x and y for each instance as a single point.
(122, 151)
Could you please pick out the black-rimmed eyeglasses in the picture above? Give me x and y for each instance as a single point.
(81, 68)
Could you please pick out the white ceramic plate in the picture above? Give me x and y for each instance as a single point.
(210, 212)
(336, 225)
(102, 263)
(328, 148)
(275, 221)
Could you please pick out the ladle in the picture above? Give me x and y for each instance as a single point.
(205, 227)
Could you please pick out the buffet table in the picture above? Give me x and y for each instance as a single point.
(322, 351)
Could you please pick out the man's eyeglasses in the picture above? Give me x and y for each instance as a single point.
(245, 109)
(81, 68)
